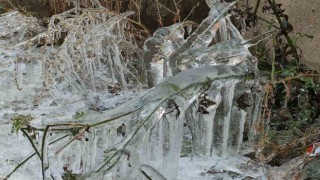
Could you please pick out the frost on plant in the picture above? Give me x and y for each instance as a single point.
(88, 45)
(198, 91)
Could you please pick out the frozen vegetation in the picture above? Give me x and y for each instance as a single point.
(100, 105)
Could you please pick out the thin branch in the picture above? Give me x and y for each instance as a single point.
(193, 8)
(31, 142)
(268, 22)
(79, 136)
(286, 35)
(29, 157)
(19, 165)
(116, 117)
(256, 8)
(131, 136)
(177, 9)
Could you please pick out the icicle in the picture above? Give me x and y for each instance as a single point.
(189, 29)
(157, 71)
(222, 119)
(91, 69)
(238, 119)
(54, 173)
(30, 66)
(97, 50)
(94, 148)
(37, 71)
(200, 119)
(227, 99)
(223, 30)
(119, 67)
(234, 31)
(110, 66)
(78, 150)
(19, 76)
(155, 140)
(22, 33)
(255, 118)
(173, 133)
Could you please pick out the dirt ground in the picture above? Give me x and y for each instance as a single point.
(304, 17)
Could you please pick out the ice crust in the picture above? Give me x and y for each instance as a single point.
(196, 87)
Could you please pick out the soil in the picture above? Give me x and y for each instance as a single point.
(304, 17)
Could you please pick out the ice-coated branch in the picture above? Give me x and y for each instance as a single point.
(199, 34)
(186, 83)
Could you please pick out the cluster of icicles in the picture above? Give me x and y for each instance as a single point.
(194, 81)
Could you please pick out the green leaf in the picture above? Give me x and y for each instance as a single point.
(79, 114)
(20, 121)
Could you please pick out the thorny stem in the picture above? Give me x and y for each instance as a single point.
(286, 35)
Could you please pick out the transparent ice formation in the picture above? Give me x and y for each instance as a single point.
(199, 97)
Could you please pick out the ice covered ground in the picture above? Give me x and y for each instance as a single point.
(15, 100)
(61, 104)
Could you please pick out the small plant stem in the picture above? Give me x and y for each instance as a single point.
(177, 9)
(44, 141)
(273, 65)
(28, 158)
(31, 142)
(193, 8)
(76, 137)
(257, 38)
(15, 8)
(289, 40)
(256, 8)
(268, 22)
(42, 150)
(58, 139)
(116, 117)
(19, 165)
(296, 77)
(159, 15)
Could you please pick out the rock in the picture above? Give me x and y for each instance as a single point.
(311, 170)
